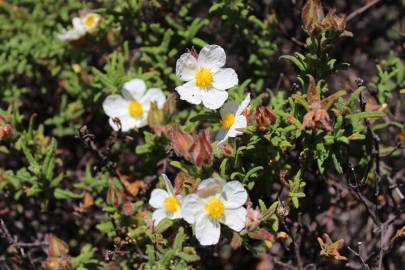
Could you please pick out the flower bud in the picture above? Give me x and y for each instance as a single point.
(57, 247)
(312, 15)
(226, 148)
(334, 23)
(201, 150)
(55, 263)
(155, 116)
(170, 105)
(115, 194)
(253, 217)
(261, 234)
(264, 117)
(282, 211)
(180, 141)
(5, 129)
(128, 208)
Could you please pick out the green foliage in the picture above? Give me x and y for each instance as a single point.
(50, 89)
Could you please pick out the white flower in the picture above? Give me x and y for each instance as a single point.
(90, 21)
(215, 202)
(133, 106)
(81, 26)
(166, 203)
(232, 120)
(206, 80)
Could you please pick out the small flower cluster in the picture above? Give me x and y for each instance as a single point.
(215, 202)
(81, 26)
(207, 83)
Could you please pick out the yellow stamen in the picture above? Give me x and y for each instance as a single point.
(227, 120)
(204, 78)
(214, 208)
(90, 20)
(171, 204)
(135, 109)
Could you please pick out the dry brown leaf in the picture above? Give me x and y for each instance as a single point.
(399, 233)
(330, 249)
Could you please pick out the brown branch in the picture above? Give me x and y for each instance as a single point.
(361, 10)
(357, 254)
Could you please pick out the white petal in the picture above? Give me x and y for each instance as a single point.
(153, 94)
(214, 98)
(240, 123)
(78, 25)
(186, 67)
(141, 121)
(169, 186)
(127, 123)
(243, 105)
(191, 206)
(210, 187)
(134, 89)
(212, 57)
(209, 182)
(229, 107)
(233, 132)
(177, 214)
(225, 78)
(222, 134)
(158, 215)
(115, 105)
(207, 230)
(234, 194)
(235, 218)
(157, 198)
(189, 92)
(68, 35)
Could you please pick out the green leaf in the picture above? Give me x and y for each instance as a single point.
(362, 115)
(66, 194)
(106, 227)
(300, 65)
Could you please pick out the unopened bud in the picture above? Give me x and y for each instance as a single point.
(170, 105)
(180, 141)
(264, 117)
(253, 217)
(155, 116)
(5, 129)
(115, 194)
(282, 211)
(55, 263)
(312, 15)
(201, 150)
(57, 247)
(128, 208)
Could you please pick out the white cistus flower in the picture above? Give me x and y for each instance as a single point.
(133, 106)
(166, 203)
(232, 120)
(206, 80)
(215, 202)
(90, 21)
(81, 26)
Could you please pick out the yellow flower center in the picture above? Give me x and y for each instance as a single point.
(214, 208)
(90, 20)
(135, 109)
(171, 204)
(204, 78)
(227, 120)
